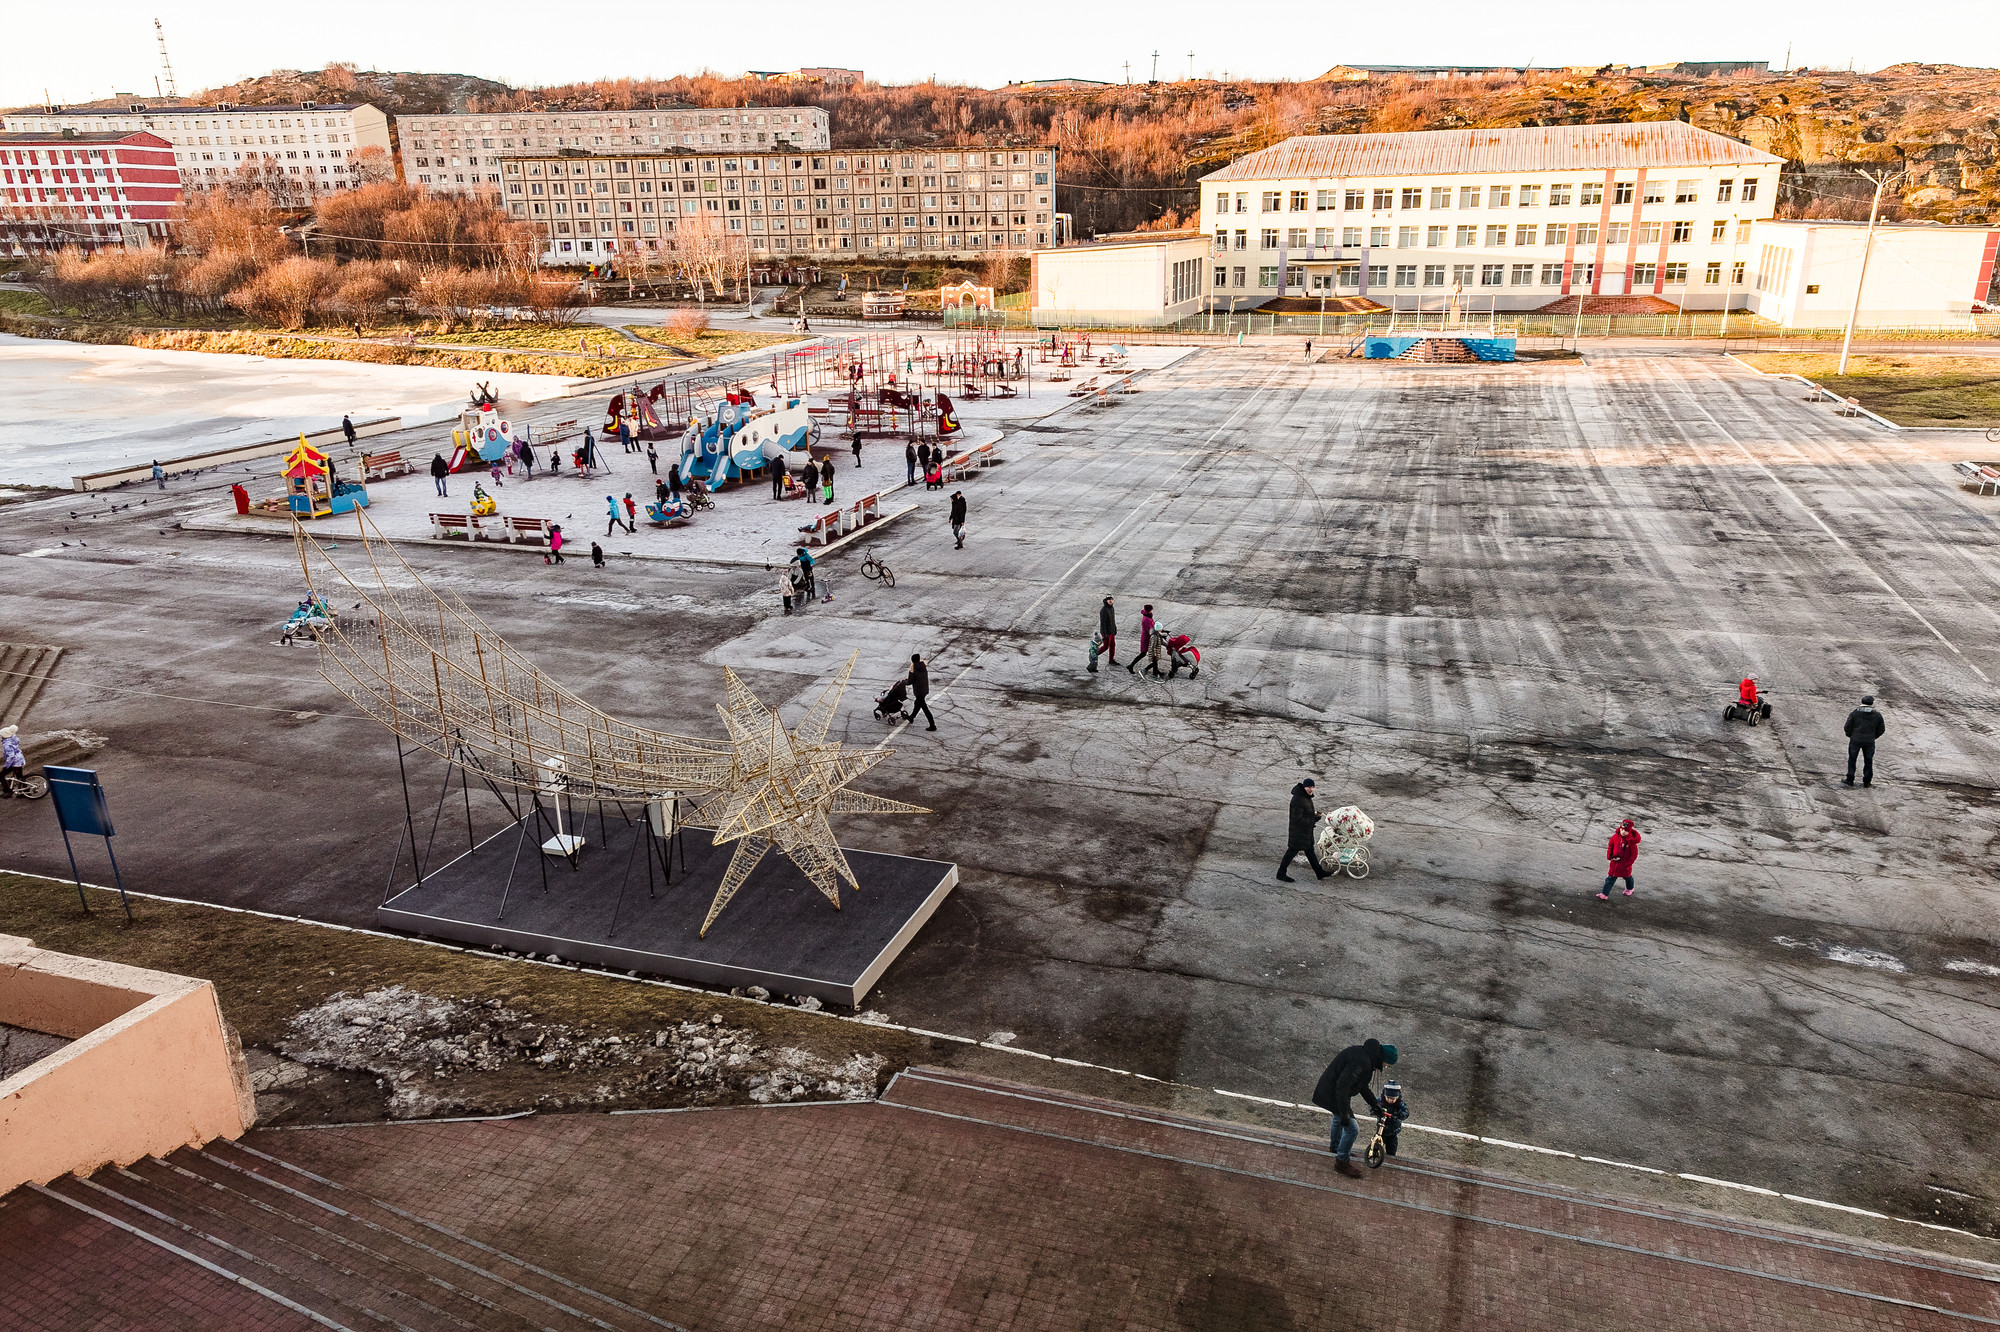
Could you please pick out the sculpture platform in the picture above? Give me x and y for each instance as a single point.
(778, 932)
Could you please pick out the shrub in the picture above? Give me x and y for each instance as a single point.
(687, 324)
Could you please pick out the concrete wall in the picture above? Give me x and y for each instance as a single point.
(151, 1066)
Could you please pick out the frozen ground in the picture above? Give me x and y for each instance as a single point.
(67, 409)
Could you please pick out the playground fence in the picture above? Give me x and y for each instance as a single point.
(1734, 325)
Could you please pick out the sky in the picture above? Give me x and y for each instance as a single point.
(521, 44)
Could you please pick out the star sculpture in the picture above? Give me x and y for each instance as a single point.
(781, 788)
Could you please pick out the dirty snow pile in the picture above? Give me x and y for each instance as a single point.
(429, 1053)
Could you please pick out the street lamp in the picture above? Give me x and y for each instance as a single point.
(1867, 248)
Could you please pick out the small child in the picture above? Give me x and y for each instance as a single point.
(1096, 650)
(1394, 1111)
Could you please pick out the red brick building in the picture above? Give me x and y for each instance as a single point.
(88, 190)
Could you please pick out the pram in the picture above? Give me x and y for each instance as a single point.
(1343, 839)
(696, 491)
(312, 615)
(1184, 653)
(889, 703)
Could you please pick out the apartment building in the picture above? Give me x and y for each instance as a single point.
(1512, 218)
(461, 154)
(85, 189)
(959, 202)
(312, 143)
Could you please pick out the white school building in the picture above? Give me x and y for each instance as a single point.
(1507, 219)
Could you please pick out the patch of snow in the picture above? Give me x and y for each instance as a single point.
(1846, 953)
(1971, 968)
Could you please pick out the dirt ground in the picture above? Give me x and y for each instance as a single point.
(1915, 390)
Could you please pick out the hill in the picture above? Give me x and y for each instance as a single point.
(399, 94)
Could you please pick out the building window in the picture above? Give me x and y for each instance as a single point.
(1582, 274)
(1531, 196)
(1406, 238)
(1656, 192)
(1687, 191)
(1440, 196)
(1558, 196)
(1725, 190)
(1743, 233)
(1736, 273)
(1468, 235)
(1295, 237)
(1500, 196)
(1643, 275)
(1221, 276)
(1496, 236)
(1242, 237)
(1267, 277)
(1378, 275)
(1524, 234)
(1682, 232)
(1712, 274)
(1492, 275)
(1621, 193)
(1676, 275)
(1590, 195)
(1522, 275)
(1271, 198)
(1649, 233)
(1354, 199)
(1586, 233)
(1433, 275)
(1350, 238)
(1749, 189)
(1552, 275)
(1298, 201)
(1436, 235)
(1384, 199)
(1238, 275)
(1323, 236)
(1406, 275)
(1378, 238)
(1325, 200)
(1413, 196)
(1268, 239)
(1462, 275)
(1242, 198)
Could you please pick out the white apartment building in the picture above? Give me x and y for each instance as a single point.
(461, 153)
(313, 141)
(1508, 219)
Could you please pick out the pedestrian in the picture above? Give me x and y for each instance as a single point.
(1309, 351)
(624, 435)
(958, 517)
(1619, 854)
(631, 513)
(919, 680)
(494, 472)
(440, 469)
(596, 556)
(924, 462)
(589, 450)
(910, 464)
(808, 571)
(160, 475)
(788, 584)
(555, 544)
(674, 481)
(1302, 819)
(347, 425)
(1864, 728)
(13, 764)
(1395, 1109)
(1345, 1078)
(826, 478)
(652, 459)
(1107, 628)
(778, 478)
(611, 502)
(1145, 638)
(855, 444)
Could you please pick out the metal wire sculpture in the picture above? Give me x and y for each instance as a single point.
(428, 668)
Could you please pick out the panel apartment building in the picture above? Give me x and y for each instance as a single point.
(461, 153)
(1508, 219)
(87, 190)
(962, 202)
(315, 142)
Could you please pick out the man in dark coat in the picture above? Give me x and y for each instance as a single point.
(958, 517)
(910, 463)
(919, 680)
(1299, 832)
(1107, 629)
(440, 469)
(347, 428)
(1345, 1078)
(1864, 728)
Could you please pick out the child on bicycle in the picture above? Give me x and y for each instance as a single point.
(1394, 1110)
(13, 763)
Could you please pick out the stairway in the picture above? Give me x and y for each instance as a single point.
(1450, 351)
(339, 1258)
(24, 669)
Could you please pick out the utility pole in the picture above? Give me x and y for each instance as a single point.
(1867, 248)
(1156, 67)
(1128, 73)
(1190, 67)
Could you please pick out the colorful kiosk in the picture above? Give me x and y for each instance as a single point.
(311, 488)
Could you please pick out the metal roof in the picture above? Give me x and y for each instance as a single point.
(181, 109)
(1653, 143)
(57, 138)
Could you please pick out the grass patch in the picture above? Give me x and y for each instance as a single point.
(714, 342)
(24, 302)
(269, 972)
(1909, 390)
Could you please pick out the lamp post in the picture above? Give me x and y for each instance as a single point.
(1867, 248)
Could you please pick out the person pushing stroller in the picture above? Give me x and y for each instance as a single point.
(890, 702)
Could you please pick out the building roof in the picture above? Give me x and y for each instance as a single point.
(1652, 143)
(56, 138)
(179, 109)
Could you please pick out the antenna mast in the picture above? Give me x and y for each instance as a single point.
(165, 63)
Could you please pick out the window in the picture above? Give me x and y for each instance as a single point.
(1643, 275)
(1656, 192)
(1742, 233)
(1267, 277)
(1468, 196)
(1468, 235)
(1378, 275)
(1440, 196)
(1677, 275)
(1558, 196)
(1271, 197)
(1221, 276)
(1500, 196)
(1406, 275)
(1323, 236)
(1586, 233)
(1524, 234)
(1649, 233)
(1552, 275)
(1531, 196)
(1242, 238)
(1435, 235)
(1433, 275)
(1682, 232)
(1325, 201)
(1298, 201)
(1378, 238)
(1719, 232)
(1736, 273)
(1492, 275)
(1621, 193)
(1590, 195)
(1581, 275)
(1521, 275)
(1406, 238)
(1413, 197)
(1237, 276)
(1749, 189)
(1556, 233)
(1268, 240)
(1353, 199)
(1685, 191)
(1221, 241)
(1383, 199)
(1725, 190)
(1496, 236)
(1712, 275)
(1462, 275)
(1350, 237)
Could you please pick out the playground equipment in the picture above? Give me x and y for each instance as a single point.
(483, 437)
(483, 504)
(311, 488)
(673, 513)
(637, 411)
(729, 442)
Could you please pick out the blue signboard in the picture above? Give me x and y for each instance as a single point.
(81, 808)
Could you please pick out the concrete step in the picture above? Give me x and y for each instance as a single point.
(1438, 351)
(24, 669)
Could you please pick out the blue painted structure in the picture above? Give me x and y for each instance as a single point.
(1388, 346)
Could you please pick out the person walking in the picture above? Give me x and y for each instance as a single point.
(1145, 636)
(440, 469)
(652, 459)
(596, 556)
(919, 680)
(611, 503)
(624, 435)
(1864, 727)
(1619, 854)
(1107, 629)
(777, 468)
(1309, 351)
(555, 544)
(958, 517)
(674, 481)
(826, 479)
(1345, 1078)
(347, 429)
(631, 513)
(855, 444)
(1303, 818)
(910, 464)
(159, 475)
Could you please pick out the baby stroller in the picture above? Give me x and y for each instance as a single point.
(312, 615)
(1343, 839)
(889, 704)
(1182, 650)
(696, 491)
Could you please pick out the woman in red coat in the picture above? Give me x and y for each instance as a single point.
(1619, 855)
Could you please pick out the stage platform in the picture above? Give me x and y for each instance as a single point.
(777, 932)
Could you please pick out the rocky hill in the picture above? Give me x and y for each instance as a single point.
(399, 94)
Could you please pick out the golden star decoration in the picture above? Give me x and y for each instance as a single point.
(782, 787)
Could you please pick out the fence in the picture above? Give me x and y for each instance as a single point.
(1684, 324)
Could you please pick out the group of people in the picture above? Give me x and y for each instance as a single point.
(815, 477)
(1158, 645)
(923, 458)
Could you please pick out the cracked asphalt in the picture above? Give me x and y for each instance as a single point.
(1499, 608)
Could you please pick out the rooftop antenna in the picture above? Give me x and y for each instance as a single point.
(165, 63)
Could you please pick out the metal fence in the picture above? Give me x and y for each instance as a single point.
(1732, 326)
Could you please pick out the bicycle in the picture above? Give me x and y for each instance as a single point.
(26, 788)
(1993, 435)
(876, 571)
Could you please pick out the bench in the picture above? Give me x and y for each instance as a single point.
(382, 466)
(955, 468)
(863, 512)
(444, 524)
(986, 454)
(518, 529)
(1981, 476)
(822, 529)
(1085, 389)
(558, 432)
(1849, 407)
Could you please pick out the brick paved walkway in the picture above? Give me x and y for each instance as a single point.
(955, 1202)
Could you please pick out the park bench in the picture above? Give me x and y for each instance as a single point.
(822, 529)
(957, 466)
(382, 466)
(1981, 476)
(1085, 389)
(558, 432)
(986, 454)
(444, 524)
(1849, 407)
(514, 528)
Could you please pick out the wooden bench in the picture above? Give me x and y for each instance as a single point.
(382, 466)
(513, 528)
(863, 512)
(444, 524)
(1085, 389)
(1981, 476)
(822, 529)
(1849, 407)
(955, 468)
(558, 432)
(986, 454)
